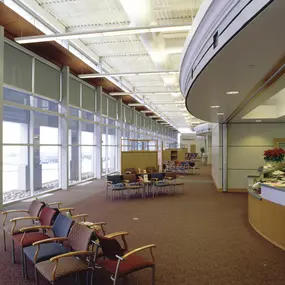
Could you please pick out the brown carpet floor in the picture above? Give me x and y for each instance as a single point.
(202, 237)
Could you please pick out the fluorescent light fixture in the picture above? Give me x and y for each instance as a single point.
(154, 117)
(215, 107)
(119, 74)
(135, 104)
(139, 92)
(103, 33)
(176, 94)
(147, 111)
(258, 121)
(185, 130)
(232, 92)
(220, 114)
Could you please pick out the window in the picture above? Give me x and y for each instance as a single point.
(73, 139)
(46, 152)
(16, 96)
(45, 104)
(16, 164)
(87, 151)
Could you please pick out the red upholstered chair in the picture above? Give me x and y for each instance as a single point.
(10, 228)
(119, 261)
(26, 237)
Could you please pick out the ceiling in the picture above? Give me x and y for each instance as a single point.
(159, 51)
(244, 65)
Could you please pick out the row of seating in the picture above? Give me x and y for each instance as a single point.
(58, 245)
(142, 185)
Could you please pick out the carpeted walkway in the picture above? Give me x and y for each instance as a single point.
(202, 237)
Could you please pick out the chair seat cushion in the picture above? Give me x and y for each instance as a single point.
(29, 238)
(47, 251)
(127, 266)
(66, 266)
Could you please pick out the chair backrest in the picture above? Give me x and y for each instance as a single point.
(110, 247)
(159, 176)
(62, 225)
(130, 177)
(150, 169)
(35, 208)
(47, 216)
(79, 237)
(170, 174)
(114, 178)
(131, 170)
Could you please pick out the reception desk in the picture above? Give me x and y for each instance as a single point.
(266, 213)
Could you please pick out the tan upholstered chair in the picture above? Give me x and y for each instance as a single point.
(74, 261)
(11, 228)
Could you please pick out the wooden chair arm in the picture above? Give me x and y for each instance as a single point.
(73, 253)
(98, 224)
(116, 234)
(153, 179)
(24, 218)
(68, 209)
(109, 182)
(50, 240)
(126, 181)
(55, 203)
(14, 211)
(34, 228)
(150, 246)
(5, 214)
(84, 216)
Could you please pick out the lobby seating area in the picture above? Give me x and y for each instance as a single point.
(215, 240)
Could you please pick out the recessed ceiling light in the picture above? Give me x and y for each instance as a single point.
(220, 114)
(232, 92)
(258, 121)
(215, 106)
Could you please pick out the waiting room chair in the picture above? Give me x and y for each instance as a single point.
(39, 252)
(115, 184)
(159, 182)
(120, 262)
(10, 228)
(26, 237)
(67, 263)
(172, 178)
(132, 184)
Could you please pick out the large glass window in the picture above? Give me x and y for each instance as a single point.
(73, 138)
(87, 151)
(16, 171)
(46, 152)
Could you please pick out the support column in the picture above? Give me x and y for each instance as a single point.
(64, 129)
(99, 134)
(120, 134)
(225, 157)
(1, 110)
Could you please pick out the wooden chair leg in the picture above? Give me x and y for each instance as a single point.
(36, 276)
(4, 240)
(153, 275)
(13, 252)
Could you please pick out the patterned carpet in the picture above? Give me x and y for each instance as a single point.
(202, 237)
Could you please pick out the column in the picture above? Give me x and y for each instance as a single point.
(120, 134)
(1, 109)
(64, 159)
(225, 157)
(99, 134)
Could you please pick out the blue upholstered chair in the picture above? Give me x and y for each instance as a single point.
(115, 184)
(45, 251)
(159, 182)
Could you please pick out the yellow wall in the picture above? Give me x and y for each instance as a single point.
(138, 159)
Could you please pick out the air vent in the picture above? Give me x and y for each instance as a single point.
(215, 39)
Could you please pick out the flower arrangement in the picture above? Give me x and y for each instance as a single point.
(274, 155)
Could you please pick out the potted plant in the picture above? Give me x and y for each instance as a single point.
(275, 157)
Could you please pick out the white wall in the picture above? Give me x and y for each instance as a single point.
(246, 144)
(187, 140)
(217, 155)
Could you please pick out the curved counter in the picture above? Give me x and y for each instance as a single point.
(266, 213)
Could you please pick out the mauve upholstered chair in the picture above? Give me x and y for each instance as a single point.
(68, 263)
